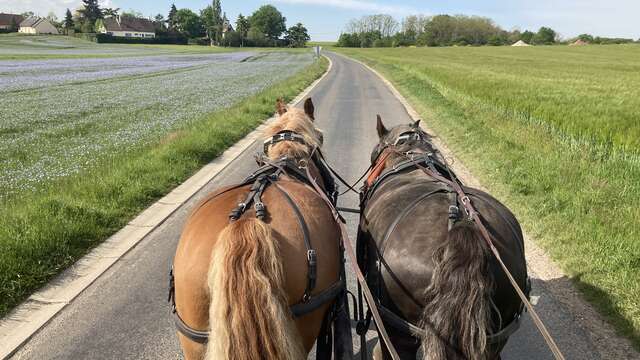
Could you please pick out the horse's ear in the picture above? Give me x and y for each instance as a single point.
(309, 108)
(416, 124)
(281, 107)
(382, 131)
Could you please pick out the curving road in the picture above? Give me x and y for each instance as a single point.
(124, 314)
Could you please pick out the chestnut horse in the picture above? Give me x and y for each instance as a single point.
(237, 279)
(439, 288)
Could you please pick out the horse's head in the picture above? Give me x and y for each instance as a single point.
(400, 139)
(299, 122)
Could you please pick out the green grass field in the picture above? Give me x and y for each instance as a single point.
(555, 133)
(171, 122)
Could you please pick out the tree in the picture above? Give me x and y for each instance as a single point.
(439, 30)
(514, 36)
(14, 26)
(27, 14)
(188, 23)
(68, 20)
(386, 25)
(52, 18)
(268, 21)
(586, 38)
(171, 18)
(132, 13)
(217, 20)
(212, 22)
(527, 36)
(348, 40)
(242, 28)
(544, 36)
(159, 18)
(297, 36)
(89, 13)
(232, 38)
(107, 12)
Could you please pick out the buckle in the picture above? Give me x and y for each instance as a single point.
(454, 212)
(312, 258)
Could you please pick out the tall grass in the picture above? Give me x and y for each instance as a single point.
(554, 133)
(44, 232)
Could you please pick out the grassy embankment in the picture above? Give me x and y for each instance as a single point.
(44, 232)
(554, 132)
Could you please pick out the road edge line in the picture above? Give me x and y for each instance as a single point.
(601, 333)
(26, 319)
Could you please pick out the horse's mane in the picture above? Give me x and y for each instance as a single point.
(297, 121)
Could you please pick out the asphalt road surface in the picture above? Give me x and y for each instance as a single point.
(125, 315)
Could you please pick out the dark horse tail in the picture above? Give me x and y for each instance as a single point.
(458, 312)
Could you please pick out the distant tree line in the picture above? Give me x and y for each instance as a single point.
(444, 30)
(602, 40)
(265, 27)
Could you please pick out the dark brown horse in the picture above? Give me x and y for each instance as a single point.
(442, 293)
(237, 279)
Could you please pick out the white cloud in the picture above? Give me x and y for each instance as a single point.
(359, 5)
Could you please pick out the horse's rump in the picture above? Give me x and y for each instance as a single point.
(208, 225)
(406, 259)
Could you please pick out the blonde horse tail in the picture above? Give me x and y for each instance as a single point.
(457, 315)
(249, 316)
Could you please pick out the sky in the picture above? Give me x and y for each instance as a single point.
(325, 19)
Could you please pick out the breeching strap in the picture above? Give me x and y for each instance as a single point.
(485, 234)
(360, 277)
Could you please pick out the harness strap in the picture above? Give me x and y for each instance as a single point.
(473, 214)
(406, 211)
(201, 337)
(297, 310)
(312, 260)
(330, 293)
(284, 135)
(408, 328)
(359, 276)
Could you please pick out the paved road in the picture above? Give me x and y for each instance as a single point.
(124, 314)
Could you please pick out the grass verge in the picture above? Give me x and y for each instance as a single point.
(578, 198)
(42, 234)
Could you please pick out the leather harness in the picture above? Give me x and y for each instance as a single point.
(415, 161)
(269, 174)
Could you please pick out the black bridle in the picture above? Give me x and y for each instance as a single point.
(284, 135)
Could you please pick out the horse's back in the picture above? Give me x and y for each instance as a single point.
(407, 254)
(211, 216)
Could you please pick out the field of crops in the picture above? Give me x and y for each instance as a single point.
(555, 133)
(56, 130)
(86, 144)
(22, 47)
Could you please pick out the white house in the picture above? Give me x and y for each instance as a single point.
(126, 26)
(37, 25)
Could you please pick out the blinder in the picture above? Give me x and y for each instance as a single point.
(408, 136)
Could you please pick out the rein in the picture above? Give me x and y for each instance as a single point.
(346, 242)
(473, 215)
